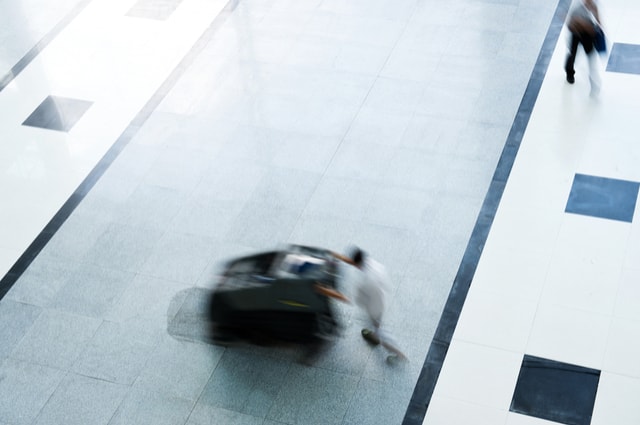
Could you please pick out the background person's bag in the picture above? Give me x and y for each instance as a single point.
(599, 41)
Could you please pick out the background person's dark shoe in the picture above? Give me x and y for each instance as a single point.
(370, 336)
(571, 79)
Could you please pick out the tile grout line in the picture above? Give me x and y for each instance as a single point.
(423, 390)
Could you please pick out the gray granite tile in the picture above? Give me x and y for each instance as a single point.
(132, 164)
(201, 133)
(376, 402)
(399, 374)
(489, 15)
(80, 400)
(79, 232)
(56, 339)
(378, 126)
(459, 72)
(261, 226)
(415, 169)
(42, 280)
(24, 389)
(208, 415)
(91, 291)
(430, 133)
(467, 177)
(153, 408)
(497, 106)
(326, 118)
(15, 320)
(145, 301)
(317, 229)
(313, 395)
(245, 381)
(250, 144)
(116, 353)
(391, 246)
(417, 305)
(285, 188)
(188, 316)
(177, 168)
(341, 197)
(346, 354)
(411, 65)
(448, 101)
(179, 368)
(481, 141)
(151, 205)
(227, 182)
(306, 152)
(207, 215)
(360, 160)
(399, 207)
(395, 94)
(179, 257)
(123, 246)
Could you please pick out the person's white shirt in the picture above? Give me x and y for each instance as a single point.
(372, 289)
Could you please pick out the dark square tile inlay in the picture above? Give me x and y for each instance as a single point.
(624, 58)
(555, 391)
(603, 197)
(58, 113)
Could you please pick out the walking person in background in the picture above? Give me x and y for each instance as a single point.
(371, 294)
(582, 22)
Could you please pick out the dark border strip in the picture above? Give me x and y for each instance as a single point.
(40, 45)
(123, 140)
(423, 391)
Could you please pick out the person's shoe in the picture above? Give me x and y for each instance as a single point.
(370, 336)
(571, 79)
(394, 359)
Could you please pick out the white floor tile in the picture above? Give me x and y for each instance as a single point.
(447, 411)
(628, 294)
(616, 400)
(581, 284)
(623, 348)
(479, 375)
(518, 419)
(496, 320)
(569, 336)
(593, 239)
(503, 270)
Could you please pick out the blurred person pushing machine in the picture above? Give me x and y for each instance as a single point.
(371, 291)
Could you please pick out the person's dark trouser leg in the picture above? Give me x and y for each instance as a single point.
(571, 58)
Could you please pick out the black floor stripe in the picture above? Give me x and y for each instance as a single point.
(40, 45)
(444, 332)
(74, 200)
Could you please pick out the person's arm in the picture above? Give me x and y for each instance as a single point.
(343, 258)
(331, 293)
(593, 8)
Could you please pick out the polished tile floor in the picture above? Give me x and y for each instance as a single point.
(145, 142)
